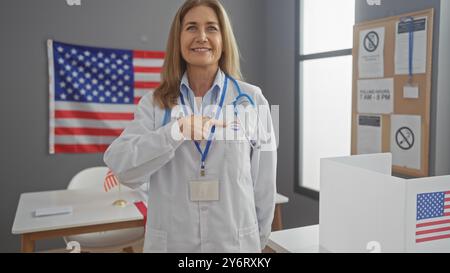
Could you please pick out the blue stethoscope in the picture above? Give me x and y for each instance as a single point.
(241, 98)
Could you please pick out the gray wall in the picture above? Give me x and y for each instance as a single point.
(25, 26)
(279, 88)
(442, 157)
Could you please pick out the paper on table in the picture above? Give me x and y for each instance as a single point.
(371, 53)
(52, 211)
(369, 134)
(376, 96)
(419, 46)
(406, 141)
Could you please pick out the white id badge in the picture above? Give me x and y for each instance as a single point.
(204, 190)
(410, 92)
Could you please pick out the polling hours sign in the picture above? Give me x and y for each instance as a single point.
(376, 96)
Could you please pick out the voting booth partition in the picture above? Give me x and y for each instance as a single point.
(362, 205)
(392, 76)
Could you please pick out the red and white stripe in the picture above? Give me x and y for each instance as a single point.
(111, 181)
(435, 228)
(91, 127)
(147, 67)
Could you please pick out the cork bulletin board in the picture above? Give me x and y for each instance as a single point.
(391, 89)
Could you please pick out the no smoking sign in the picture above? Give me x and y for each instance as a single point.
(405, 138)
(371, 41)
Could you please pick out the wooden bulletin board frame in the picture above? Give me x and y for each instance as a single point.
(402, 106)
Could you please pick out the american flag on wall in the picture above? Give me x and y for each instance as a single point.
(433, 217)
(94, 92)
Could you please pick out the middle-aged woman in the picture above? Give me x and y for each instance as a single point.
(205, 194)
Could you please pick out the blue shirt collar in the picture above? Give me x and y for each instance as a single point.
(213, 93)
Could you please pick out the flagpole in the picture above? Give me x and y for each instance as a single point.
(120, 202)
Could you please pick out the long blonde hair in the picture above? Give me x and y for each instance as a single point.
(174, 66)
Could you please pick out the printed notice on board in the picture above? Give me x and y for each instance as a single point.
(406, 141)
(376, 96)
(369, 134)
(419, 46)
(371, 53)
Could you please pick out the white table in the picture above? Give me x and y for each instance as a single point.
(92, 212)
(296, 240)
(281, 199)
(277, 223)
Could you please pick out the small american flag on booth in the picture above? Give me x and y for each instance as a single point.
(94, 92)
(110, 181)
(433, 217)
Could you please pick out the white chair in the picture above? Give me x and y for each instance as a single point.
(106, 241)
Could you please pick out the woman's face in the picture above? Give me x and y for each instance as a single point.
(201, 37)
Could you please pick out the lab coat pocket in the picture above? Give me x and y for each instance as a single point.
(249, 239)
(155, 241)
(238, 153)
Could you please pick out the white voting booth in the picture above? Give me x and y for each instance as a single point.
(361, 204)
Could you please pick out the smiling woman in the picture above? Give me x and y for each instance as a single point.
(202, 197)
(198, 23)
(201, 47)
(201, 39)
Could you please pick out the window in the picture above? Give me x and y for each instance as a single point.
(324, 86)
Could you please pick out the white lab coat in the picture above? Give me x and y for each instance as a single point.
(239, 222)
